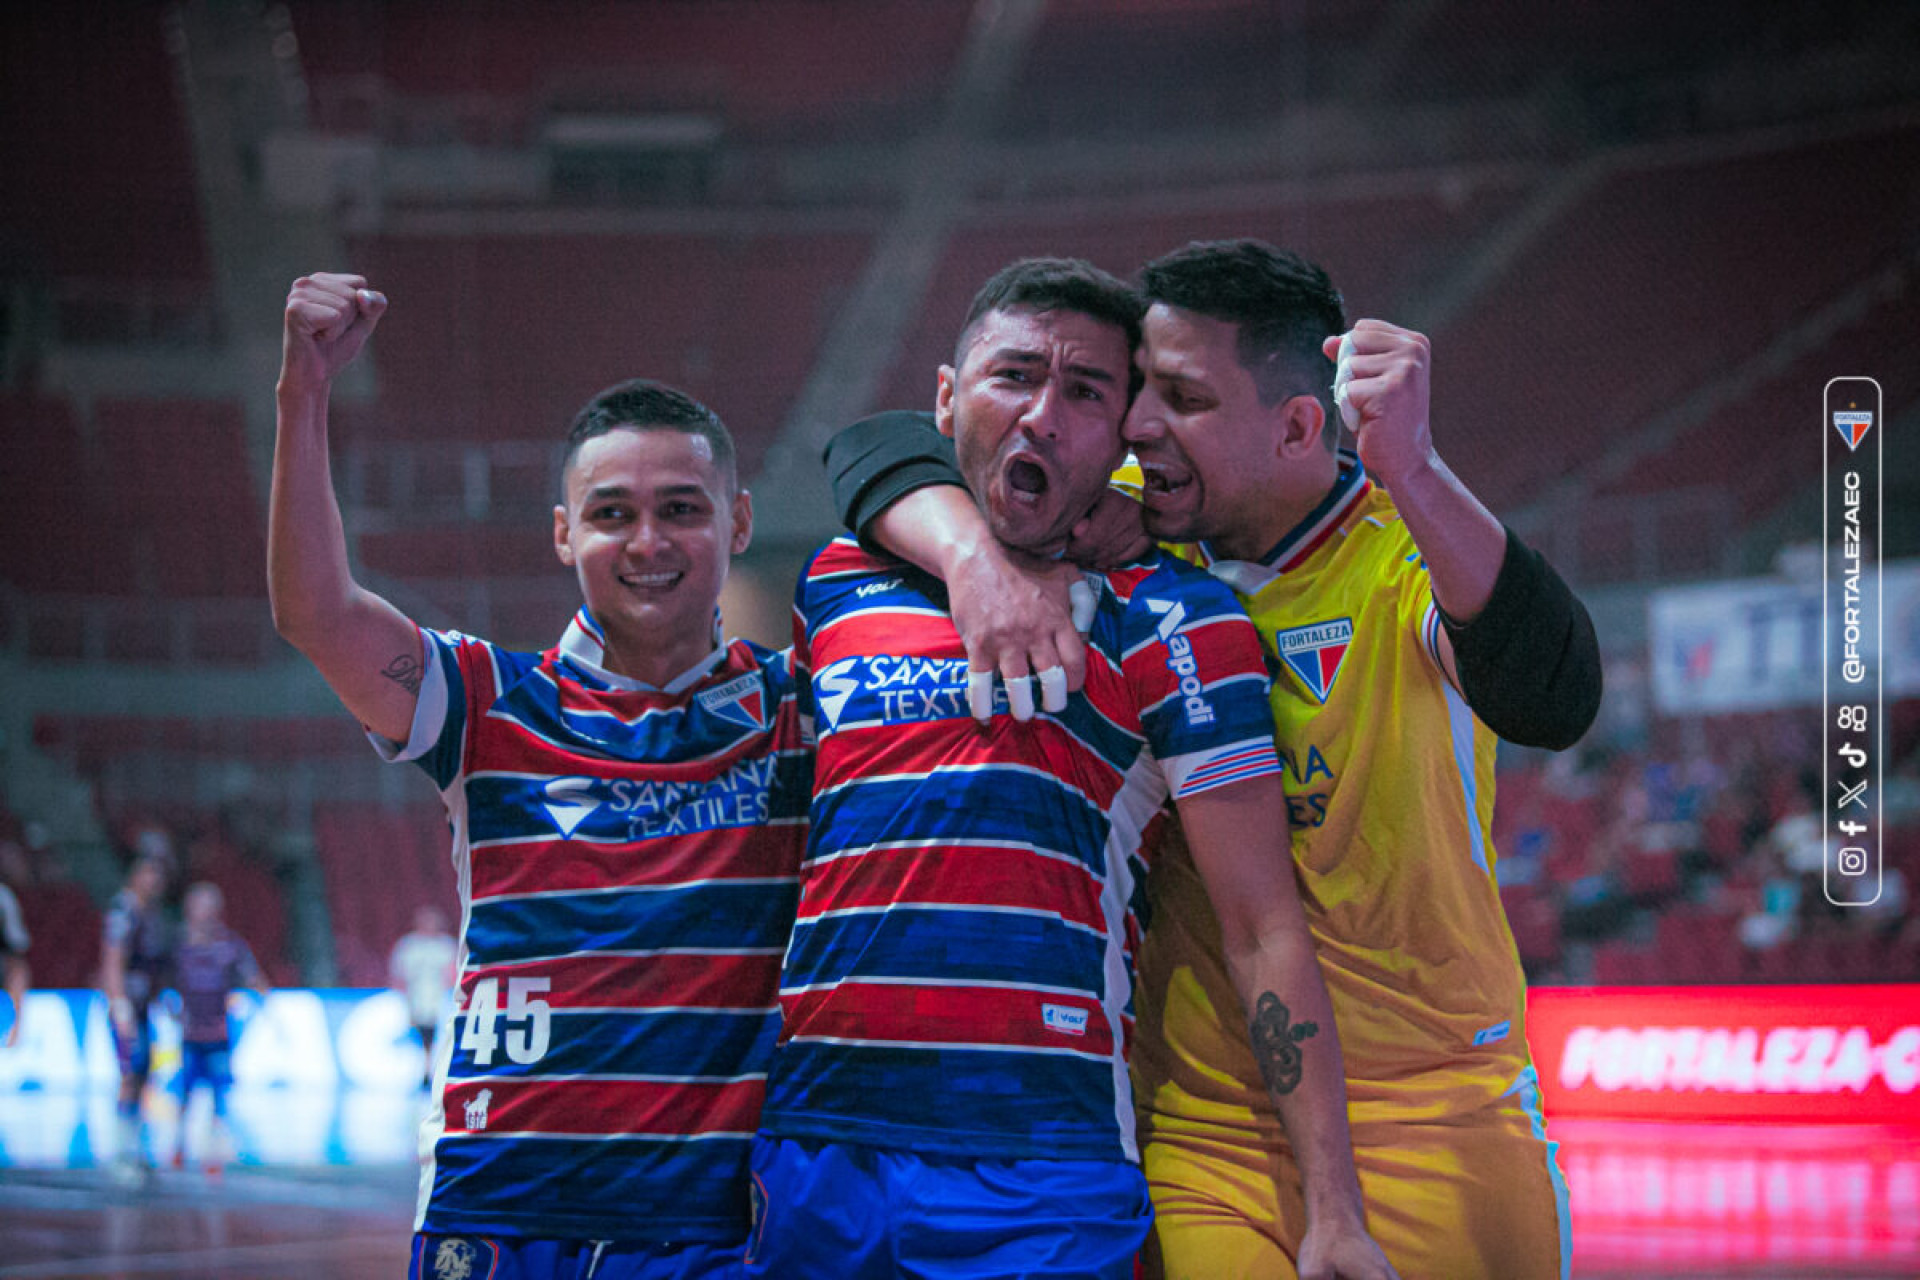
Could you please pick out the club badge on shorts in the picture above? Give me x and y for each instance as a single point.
(457, 1258)
(453, 1260)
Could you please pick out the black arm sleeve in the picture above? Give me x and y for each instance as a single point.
(1529, 664)
(879, 460)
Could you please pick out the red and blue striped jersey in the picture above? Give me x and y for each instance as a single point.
(628, 860)
(960, 975)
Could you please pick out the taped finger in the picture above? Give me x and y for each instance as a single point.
(1053, 689)
(1081, 604)
(1342, 375)
(1020, 696)
(980, 694)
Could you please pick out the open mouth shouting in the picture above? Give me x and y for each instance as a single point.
(1026, 477)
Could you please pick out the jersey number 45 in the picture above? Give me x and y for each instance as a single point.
(524, 1043)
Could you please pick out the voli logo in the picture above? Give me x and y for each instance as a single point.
(569, 802)
(833, 686)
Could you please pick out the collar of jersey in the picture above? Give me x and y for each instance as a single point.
(584, 648)
(1247, 576)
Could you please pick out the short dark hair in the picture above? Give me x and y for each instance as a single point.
(642, 404)
(1284, 305)
(1058, 284)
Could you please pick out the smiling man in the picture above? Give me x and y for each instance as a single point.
(628, 811)
(950, 1096)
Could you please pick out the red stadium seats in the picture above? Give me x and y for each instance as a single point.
(380, 865)
(1660, 281)
(64, 924)
(161, 454)
(87, 200)
(734, 319)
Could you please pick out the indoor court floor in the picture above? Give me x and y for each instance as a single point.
(1650, 1201)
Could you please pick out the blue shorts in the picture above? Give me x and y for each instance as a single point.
(441, 1256)
(207, 1064)
(839, 1211)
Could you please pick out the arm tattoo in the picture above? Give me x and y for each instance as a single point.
(1276, 1046)
(406, 672)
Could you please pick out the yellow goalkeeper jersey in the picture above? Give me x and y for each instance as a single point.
(1389, 781)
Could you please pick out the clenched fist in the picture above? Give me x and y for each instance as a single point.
(329, 317)
(1382, 382)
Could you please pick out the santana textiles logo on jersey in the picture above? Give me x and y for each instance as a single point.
(888, 690)
(1315, 652)
(1180, 661)
(640, 809)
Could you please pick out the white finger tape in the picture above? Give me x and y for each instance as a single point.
(980, 694)
(1020, 697)
(1342, 375)
(1053, 689)
(1082, 603)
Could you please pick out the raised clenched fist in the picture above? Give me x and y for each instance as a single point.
(1381, 385)
(329, 317)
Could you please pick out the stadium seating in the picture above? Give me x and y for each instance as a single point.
(380, 865)
(44, 545)
(86, 198)
(1781, 410)
(189, 520)
(505, 338)
(1659, 282)
(65, 926)
(771, 71)
(1380, 249)
(1242, 60)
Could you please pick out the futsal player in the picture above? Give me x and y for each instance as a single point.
(1407, 629)
(211, 962)
(950, 1096)
(628, 811)
(136, 959)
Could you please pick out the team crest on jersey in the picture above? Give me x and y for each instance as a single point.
(1315, 653)
(742, 700)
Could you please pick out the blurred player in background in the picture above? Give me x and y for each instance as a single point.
(628, 812)
(950, 1097)
(1406, 629)
(422, 971)
(136, 961)
(211, 962)
(14, 942)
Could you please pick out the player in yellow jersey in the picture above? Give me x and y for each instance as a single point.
(1406, 627)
